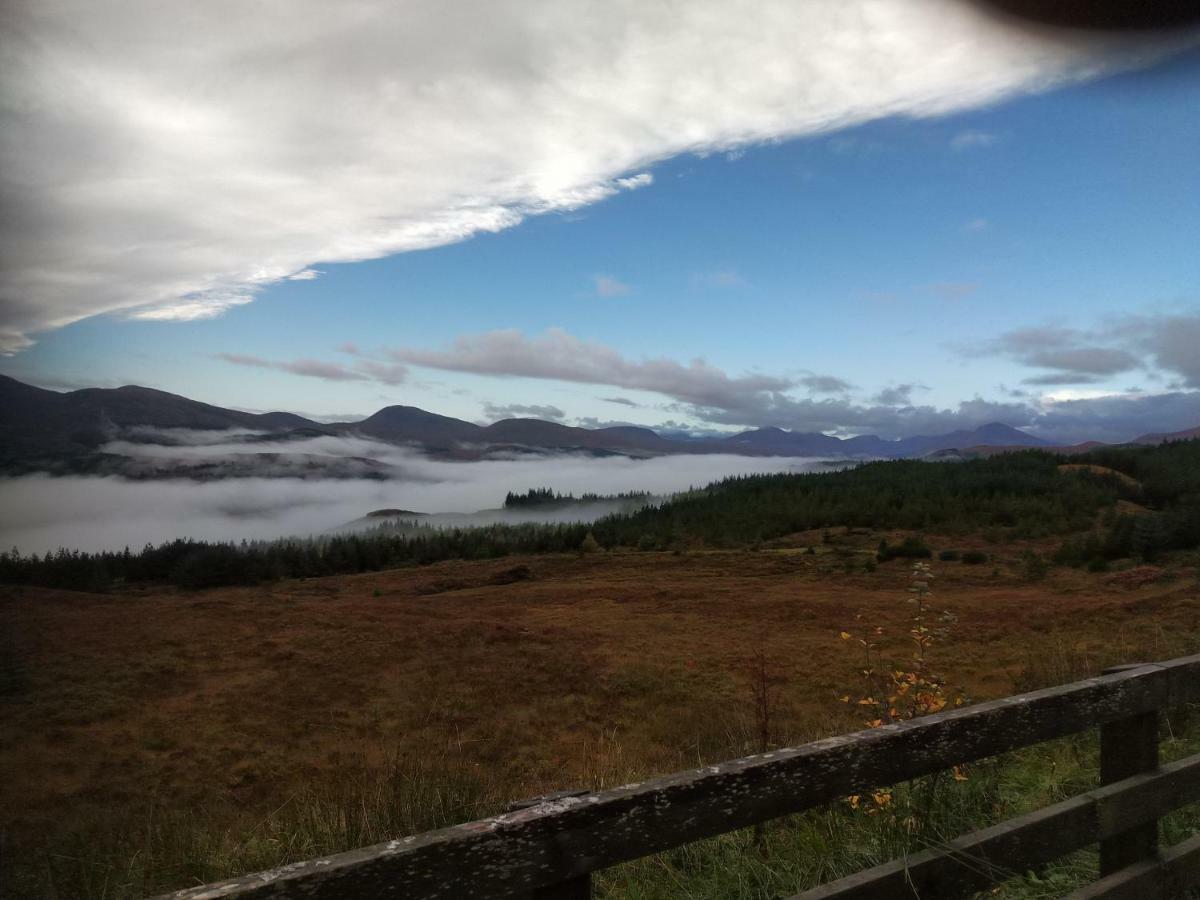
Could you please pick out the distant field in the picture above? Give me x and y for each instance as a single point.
(139, 721)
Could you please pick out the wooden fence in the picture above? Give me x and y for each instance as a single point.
(547, 849)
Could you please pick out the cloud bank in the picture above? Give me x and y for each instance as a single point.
(173, 182)
(44, 513)
(562, 356)
(1167, 342)
(1162, 343)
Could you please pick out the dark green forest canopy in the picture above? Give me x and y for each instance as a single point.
(1015, 495)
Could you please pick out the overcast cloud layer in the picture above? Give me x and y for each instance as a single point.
(172, 178)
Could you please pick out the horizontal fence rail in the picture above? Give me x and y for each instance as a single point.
(974, 861)
(548, 849)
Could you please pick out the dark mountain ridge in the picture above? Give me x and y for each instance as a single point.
(44, 430)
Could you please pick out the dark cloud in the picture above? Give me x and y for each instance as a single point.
(1120, 417)
(898, 395)
(1172, 342)
(1166, 342)
(1066, 350)
(1053, 379)
(384, 373)
(825, 384)
(623, 401)
(844, 416)
(1084, 360)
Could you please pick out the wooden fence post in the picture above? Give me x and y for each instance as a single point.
(578, 888)
(1128, 747)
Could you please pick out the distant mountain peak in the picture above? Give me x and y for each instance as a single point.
(47, 430)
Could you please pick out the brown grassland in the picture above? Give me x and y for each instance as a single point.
(126, 712)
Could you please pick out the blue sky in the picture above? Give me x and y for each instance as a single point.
(875, 277)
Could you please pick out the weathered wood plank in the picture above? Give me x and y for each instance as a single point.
(1128, 746)
(1172, 873)
(575, 889)
(515, 852)
(982, 858)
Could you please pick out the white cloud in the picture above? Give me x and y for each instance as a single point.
(174, 159)
(635, 181)
(722, 278)
(192, 307)
(497, 411)
(972, 140)
(363, 370)
(954, 290)
(607, 286)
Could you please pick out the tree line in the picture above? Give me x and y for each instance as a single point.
(1017, 495)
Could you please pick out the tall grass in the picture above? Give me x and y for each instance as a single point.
(385, 795)
(360, 805)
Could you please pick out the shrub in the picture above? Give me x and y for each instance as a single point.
(647, 543)
(589, 544)
(1033, 566)
(912, 548)
(974, 557)
(949, 556)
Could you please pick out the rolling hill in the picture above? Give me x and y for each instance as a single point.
(44, 430)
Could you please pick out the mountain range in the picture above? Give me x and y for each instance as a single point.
(44, 430)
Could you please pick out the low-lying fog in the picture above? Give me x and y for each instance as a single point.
(39, 512)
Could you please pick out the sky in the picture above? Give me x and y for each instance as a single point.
(848, 217)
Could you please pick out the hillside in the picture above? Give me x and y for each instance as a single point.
(43, 430)
(239, 721)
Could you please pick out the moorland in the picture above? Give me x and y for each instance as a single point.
(302, 697)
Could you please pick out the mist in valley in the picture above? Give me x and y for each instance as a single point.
(284, 489)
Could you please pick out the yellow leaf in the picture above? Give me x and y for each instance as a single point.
(866, 701)
(845, 635)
